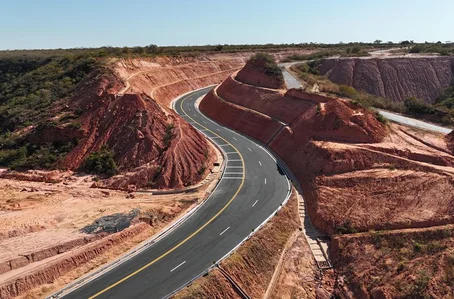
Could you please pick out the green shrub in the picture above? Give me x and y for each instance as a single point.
(380, 118)
(168, 136)
(267, 62)
(417, 106)
(101, 162)
(348, 91)
(346, 228)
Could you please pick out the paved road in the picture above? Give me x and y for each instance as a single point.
(413, 122)
(292, 82)
(251, 189)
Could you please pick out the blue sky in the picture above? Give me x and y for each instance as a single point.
(42, 24)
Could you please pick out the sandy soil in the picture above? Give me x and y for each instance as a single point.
(37, 216)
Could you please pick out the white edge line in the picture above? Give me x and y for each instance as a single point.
(255, 203)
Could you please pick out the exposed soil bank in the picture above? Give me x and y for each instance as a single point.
(399, 264)
(357, 175)
(393, 78)
(252, 265)
(50, 271)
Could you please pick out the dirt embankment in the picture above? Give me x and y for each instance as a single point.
(397, 264)
(357, 174)
(43, 235)
(261, 71)
(450, 141)
(253, 264)
(393, 78)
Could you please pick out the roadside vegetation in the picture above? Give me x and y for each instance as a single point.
(441, 112)
(444, 49)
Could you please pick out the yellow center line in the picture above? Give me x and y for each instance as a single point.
(194, 233)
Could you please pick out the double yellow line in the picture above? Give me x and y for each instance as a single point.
(194, 233)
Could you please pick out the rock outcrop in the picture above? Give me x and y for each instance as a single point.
(393, 78)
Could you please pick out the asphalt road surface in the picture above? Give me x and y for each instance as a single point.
(413, 122)
(252, 188)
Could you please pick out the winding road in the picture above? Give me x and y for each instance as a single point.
(253, 186)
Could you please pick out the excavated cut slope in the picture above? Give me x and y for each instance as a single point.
(261, 70)
(338, 150)
(357, 176)
(393, 78)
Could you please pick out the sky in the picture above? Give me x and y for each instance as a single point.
(46, 24)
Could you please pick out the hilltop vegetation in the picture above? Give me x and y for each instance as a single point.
(29, 86)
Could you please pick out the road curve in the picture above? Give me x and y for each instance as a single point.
(252, 188)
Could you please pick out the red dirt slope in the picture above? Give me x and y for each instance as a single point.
(357, 176)
(261, 70)
(393, 78)
(152, 147)
(450, 141)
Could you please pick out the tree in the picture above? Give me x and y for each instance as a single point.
(378, 41)
(405, 43)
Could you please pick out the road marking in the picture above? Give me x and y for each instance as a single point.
(224, 144)
(224, 231)
(260, 163)
(230, 153)
(234, 166)
(178, 266)
(233, 173)
(191, 235)
(249, 149)
(234, 160)
(265, 181)
(218, 130)
(233, 178)
(214, 136)
(255, 203)
(234, 138)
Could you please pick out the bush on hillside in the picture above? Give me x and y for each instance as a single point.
(267, 62)
(101, 162)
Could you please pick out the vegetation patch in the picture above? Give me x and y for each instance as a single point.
(411, 263)
(268, 63)
(101, 162)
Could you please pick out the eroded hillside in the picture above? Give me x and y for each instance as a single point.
(393, 78)
(357, 174)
